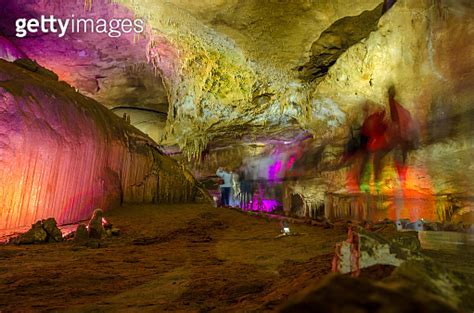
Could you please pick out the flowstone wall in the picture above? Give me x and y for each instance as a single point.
(62, 154)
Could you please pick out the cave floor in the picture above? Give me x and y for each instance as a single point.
(190, 258)
(186, 258)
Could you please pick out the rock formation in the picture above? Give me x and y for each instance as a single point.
(281, 86)
(393, 276)
(63, 154)
(95, 227)
(42, 231)
(365, 296)
(364, 249)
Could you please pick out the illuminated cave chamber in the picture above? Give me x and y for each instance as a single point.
(298, 134)
(301, 107)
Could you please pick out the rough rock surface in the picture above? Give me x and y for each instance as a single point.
(363, 249)
(8, 50)
(336, 39)
(430, 276)
(81, 235)
(95, 226)
(229, 65)
(36, 234)
(215, 68)
(41, 232)
(365, 296)
(99, 160)
(83, 239)
(413, 270)
(51, 227)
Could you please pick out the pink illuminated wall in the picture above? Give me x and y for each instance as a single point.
(82, 59)
(8, 51)
(62, 155)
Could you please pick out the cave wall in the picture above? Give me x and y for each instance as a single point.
(63, 154)
(231, 72)
(424, 49)
(227, 76)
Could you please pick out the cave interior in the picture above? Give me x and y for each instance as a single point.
(236, 156)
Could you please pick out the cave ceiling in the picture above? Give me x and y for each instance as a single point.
(217, 72)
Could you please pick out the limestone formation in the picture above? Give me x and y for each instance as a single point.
(99, 161)
(425, 278)
(363, 249)
(8, 50)
(207, 69)
(84, 238)
(336, 39)
(32, 66)
(413, 270)
(338, 114)
(428, 275)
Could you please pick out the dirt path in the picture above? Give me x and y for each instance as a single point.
(169, 258)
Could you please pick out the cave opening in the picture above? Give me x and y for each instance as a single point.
(247, 156)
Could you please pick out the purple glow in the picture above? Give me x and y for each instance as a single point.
(274, 170)
(263, 205)
(8, 51)
(269, 205)
(75, 56)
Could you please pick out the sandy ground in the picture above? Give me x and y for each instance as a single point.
(191, 258)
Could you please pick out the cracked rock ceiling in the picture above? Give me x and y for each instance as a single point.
(218, 72)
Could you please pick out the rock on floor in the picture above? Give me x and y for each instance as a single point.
(40, 232)
(344, 294)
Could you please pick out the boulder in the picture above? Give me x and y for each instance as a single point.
(96, 230)
(36, 234)
(363, 249)
(425, 274)
(54, 233)
(344, 294)
(40, 232)
(415, 273)
(81, 235)
(82, 238)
